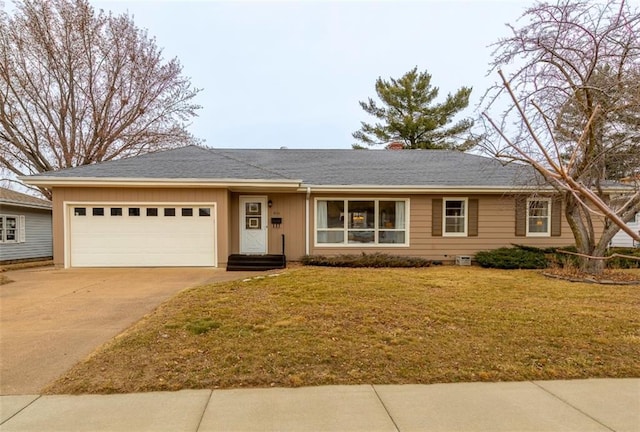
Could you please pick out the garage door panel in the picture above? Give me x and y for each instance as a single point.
(136, 241)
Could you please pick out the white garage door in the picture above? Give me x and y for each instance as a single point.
(130, 235)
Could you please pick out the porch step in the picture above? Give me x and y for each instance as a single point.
(239, 262)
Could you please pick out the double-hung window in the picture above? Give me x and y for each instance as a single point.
(361, 222)
(11, 229)
(539, 217)
(454, 219)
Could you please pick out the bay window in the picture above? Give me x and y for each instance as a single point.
(361, 222)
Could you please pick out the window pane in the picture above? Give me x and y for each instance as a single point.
(454, 216)
(387, 215)
(10, 231)
(187, 212)
(330, 214)
(454, 208)
(330, 236)
(454, 225)
(97, 211)
(391, 237)
(116, 211)
(152, 211)
(361, 214)
(134, 211)
(253, 208)
(203, 211)
(538, 225)
(80, 211)
(169, 212)
(361, 237)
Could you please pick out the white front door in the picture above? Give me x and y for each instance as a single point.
(253, 225)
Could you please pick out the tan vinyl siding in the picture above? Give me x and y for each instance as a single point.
(141, 195)
(496, 228)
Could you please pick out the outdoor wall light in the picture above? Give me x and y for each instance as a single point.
(270, 203)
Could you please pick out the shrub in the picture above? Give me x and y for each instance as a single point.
(623, 263)
(513, 258)
(365, 260)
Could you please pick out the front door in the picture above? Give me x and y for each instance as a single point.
(253, 225)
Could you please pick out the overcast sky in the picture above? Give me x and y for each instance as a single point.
(291, 73)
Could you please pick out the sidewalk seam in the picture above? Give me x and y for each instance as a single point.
(373, 387)
(204, 411)
(22, 409)
(572, 406)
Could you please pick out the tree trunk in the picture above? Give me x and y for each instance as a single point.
(582, 227)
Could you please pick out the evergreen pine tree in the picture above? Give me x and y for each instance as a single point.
(409, 114)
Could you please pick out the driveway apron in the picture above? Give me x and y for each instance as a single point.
(51, 318)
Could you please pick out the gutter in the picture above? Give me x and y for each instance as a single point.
(155, 182)
(25, 205)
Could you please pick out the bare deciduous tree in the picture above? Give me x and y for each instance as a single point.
(79, 86)
(574, 93)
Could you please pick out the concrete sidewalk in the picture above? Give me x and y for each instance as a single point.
(579, 405)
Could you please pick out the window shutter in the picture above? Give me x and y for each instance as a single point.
(472, 229)
(22, 236)
(436, 217)
(556, 216)
(521, 216)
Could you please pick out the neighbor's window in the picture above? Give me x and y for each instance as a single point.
(203, 211)
(455, 217)
(97, 211)
(358, 222)
(79, 211)
(539, 217)
(152, 211)
(134, 211)
(187, 211)
(9, 229)
(116, 211)
(169, 211)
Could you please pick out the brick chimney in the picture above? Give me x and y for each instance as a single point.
(395, 145)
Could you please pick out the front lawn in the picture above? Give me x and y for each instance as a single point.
(316, 326)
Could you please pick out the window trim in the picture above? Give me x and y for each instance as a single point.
(528, 233)
(465, 233)
(19, 229)
(376, 228)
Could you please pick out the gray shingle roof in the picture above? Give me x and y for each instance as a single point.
(311, 167)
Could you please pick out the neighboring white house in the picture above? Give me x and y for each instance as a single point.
(622, 239)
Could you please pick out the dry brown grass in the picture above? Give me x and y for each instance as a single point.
(313, 326)
(4, 280)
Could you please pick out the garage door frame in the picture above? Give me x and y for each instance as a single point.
(68, 208)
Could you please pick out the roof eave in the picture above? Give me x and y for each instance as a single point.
(13, 203)
(45, 181)
(425, 188)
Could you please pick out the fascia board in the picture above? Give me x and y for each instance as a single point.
(155, 182)
(25, 205)
(424, 189)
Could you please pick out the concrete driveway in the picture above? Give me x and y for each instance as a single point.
(51, 319)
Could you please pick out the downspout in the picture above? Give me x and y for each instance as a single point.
(307, 223)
